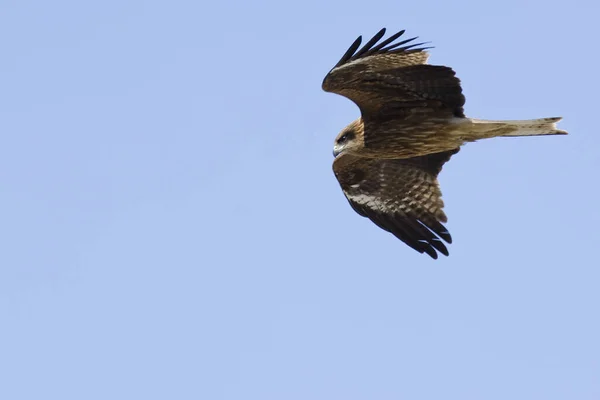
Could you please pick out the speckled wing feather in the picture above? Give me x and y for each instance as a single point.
(391, 78)
(402, 197)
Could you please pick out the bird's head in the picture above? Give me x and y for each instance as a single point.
(350, 139)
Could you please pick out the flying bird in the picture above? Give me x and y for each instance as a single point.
(412, 122)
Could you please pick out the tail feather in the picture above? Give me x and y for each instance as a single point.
(531, 127)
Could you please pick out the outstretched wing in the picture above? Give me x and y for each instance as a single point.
(391, 78)
(400, 196)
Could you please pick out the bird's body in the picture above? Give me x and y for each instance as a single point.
(413, 137)
(412, 121)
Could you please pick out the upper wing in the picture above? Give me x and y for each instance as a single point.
(392, 78)
(400, 196)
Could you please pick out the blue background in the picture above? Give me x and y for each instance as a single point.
(171, 226)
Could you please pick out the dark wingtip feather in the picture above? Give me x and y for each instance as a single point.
(417, 235)
(446, 236)
(431, 252)
(370, 43)
(388, 41)
(387, 46)
(439, 229)
(439, 246)
(348, 54)
(397, 44)
(412, 46)
(426, 236)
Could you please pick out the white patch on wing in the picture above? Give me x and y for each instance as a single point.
(363, 198)
(404, 59)
(374, 203)
(359, 61)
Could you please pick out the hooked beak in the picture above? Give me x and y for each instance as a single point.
(336, 150)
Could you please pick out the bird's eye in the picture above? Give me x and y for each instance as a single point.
(345, 137)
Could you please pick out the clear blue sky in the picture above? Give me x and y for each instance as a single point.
(171, 227)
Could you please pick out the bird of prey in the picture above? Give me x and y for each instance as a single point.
(412, 121)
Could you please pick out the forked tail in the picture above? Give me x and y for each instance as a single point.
(530, 127)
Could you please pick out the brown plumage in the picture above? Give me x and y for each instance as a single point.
(412, 121)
